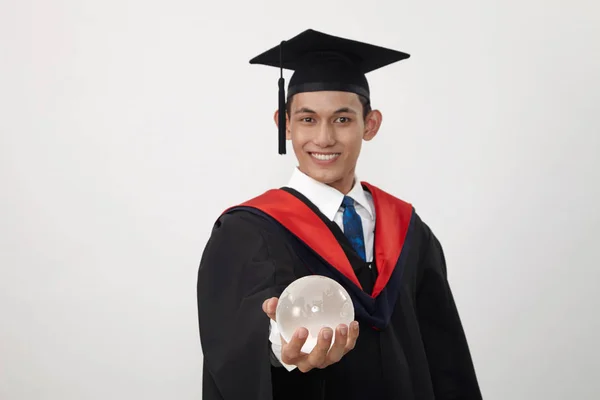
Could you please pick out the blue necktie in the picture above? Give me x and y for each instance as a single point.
(353, 227)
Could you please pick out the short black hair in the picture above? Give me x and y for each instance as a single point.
(366, 104)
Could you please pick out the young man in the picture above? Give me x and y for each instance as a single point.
(407, 341)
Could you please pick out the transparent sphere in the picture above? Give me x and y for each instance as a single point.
(313, 302)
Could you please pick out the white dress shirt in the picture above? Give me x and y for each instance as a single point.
(329, 201)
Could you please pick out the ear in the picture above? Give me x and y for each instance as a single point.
(372, 124)
(288, 133)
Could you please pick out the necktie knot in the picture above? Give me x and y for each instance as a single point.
(348, 202)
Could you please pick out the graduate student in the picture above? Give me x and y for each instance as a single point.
(407, 342)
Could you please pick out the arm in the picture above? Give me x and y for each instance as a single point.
(451, 367)
(242, 266)
(236, 274)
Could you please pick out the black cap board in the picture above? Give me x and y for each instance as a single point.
(324, 62)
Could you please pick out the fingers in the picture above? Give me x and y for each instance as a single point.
(318, 356)
(270, 307)
(291, 352)
(352, 336)
(324, 353)
(338, 350)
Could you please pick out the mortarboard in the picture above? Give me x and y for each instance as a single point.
(324, 62)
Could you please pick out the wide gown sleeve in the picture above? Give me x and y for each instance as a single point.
(241, 266)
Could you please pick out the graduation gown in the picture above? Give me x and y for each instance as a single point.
(411, 344)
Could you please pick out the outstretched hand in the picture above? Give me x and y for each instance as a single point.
(324, 354)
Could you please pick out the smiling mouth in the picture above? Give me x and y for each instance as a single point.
(325, 156)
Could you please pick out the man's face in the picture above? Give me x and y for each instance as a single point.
(327, 130)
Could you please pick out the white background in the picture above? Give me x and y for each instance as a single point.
(128, 126)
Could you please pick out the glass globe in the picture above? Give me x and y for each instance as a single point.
(313, 302)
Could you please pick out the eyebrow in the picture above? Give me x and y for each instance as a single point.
(345, 110)
(305, 110)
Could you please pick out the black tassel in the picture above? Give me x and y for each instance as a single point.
(282, 111)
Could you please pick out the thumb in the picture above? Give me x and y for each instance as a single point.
(270, 307)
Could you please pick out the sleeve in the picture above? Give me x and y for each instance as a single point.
(275, 339)
(451, 367)
(239, 269)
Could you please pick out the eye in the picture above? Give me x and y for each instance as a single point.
(307, 119)
(343, 120)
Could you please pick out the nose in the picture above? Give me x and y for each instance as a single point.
(325, 136)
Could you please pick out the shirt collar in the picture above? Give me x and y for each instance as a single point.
(327, 199)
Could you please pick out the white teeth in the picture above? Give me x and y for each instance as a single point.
(325, 157)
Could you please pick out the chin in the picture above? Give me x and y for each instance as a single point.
(324, 176)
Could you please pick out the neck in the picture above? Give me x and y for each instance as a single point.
(343, 185)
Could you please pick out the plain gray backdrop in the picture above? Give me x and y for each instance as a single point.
(127, 126)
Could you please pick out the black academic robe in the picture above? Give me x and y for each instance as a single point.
(411, 344)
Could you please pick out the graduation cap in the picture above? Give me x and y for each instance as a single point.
(324, 62)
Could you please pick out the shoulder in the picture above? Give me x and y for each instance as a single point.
(377, 192)
(245, 235)
(235, 238)
(245, 220)
(408, 209)
(239, 223)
